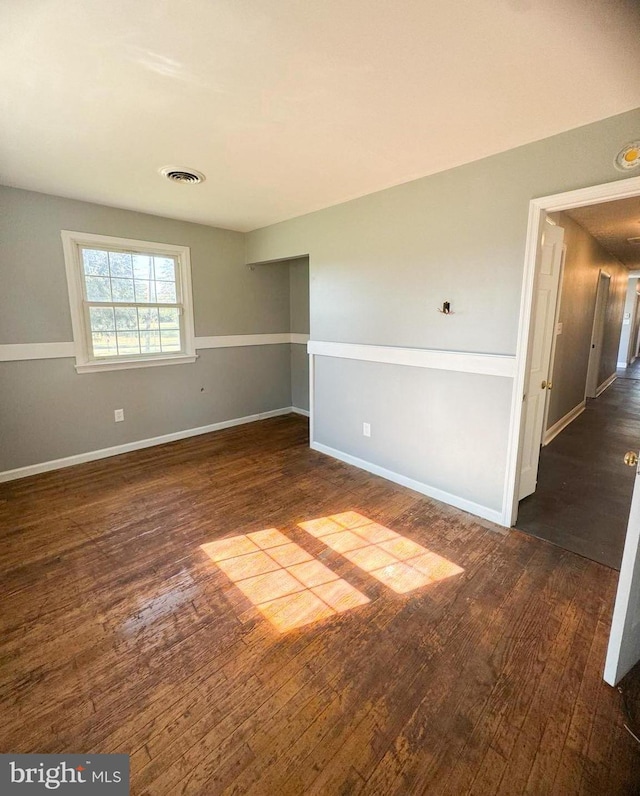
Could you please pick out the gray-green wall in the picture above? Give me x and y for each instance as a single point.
(48, 411)
(382, 264)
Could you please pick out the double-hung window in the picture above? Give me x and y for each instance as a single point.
(131, 303)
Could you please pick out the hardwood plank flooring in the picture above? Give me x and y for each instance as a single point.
(583, 495)
(121, 634)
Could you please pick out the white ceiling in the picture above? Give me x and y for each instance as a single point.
(293, 105)
(612, 224)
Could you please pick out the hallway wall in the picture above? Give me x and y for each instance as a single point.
(584, 259)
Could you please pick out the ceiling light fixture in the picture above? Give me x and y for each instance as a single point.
(628, 157)
(182, 175)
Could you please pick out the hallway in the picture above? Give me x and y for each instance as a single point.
(584, 489)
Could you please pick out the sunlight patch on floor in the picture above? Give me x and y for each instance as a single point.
(285, 583)
(399, 563)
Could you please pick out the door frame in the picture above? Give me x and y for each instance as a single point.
(538, 208)
(591, 386)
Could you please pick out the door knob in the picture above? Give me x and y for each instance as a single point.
(549, 385)
(543, 386)
(631, 458)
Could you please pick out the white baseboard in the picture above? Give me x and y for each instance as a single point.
(410, 483)
(116, 450)
(621, 365)
(607, 383)
(297, 411)
(556, 428)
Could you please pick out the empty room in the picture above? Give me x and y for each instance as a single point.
(281, 299)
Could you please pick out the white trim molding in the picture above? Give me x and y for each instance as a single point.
(14, 352)
(299, 339)
(116, 450)
(424, 489)
(461, 361)
(240, 340)
(606, 383)
(553, 431)
(583, 197)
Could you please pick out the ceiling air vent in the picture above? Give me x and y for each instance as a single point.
(184, 176)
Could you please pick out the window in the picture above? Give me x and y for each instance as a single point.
(131, 302)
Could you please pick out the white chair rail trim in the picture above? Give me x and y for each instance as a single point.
(461, 361)
(14, 352)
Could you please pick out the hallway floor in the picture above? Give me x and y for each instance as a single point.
(632, 372)
(584, 489)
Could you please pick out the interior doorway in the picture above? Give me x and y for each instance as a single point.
(576, 491)
(623, 650)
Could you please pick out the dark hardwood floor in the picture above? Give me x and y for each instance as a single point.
(630, 372)
(129, 626)
(584, 489)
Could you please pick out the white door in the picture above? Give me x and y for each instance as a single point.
(552, 356)
(624, 642)
(548, 270)
(597, 335)
(634, 337)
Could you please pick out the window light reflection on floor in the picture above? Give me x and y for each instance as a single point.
(392, 559)
(286, 584)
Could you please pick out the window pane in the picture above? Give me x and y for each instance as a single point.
(170, 339)
(165, 269)
(143, 266)
(98, 288)
(145, 292)
(123, 290)
(120, 264)
(104, 344)
(126, 318)
(95, 262)
(169, 318)
(150, 342)
(148, 318)
(128, 343)
(166, 291)
(101, 319)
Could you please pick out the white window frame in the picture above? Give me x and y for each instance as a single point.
(72, 242)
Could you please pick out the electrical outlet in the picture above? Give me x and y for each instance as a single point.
(118, 415)
(366, 429)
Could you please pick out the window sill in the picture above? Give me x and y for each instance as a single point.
(129, 364)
